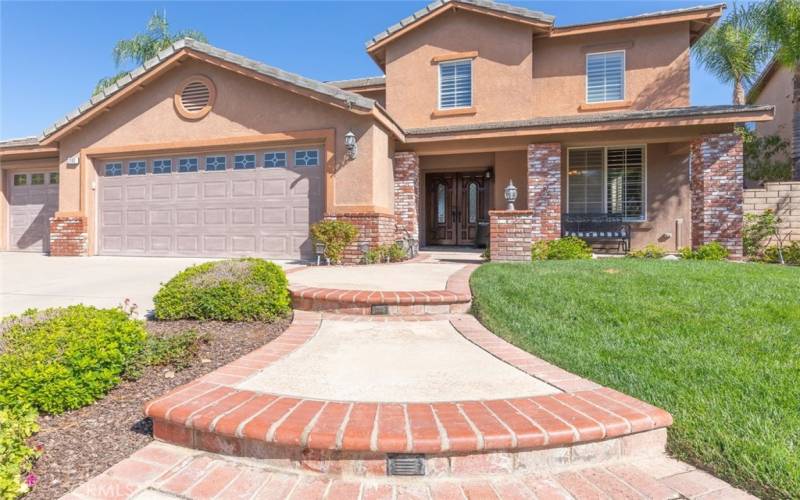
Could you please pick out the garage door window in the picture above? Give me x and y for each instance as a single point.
(53, 177)
(244, 161)
(215, 163)
(20, 180)
(137, 168)
(275, 159)
(162, 166)
(306, 158)
(37, 179)
(113, 169)
(187, 165)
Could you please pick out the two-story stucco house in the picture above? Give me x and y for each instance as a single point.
(201, 152)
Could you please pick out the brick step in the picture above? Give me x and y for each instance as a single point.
(163, 471)
(455, 299)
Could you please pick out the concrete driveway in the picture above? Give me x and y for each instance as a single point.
(33, 280)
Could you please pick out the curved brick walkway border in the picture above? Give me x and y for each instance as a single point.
(456, 298)
(210, 413)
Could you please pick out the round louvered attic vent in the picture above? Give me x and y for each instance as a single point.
(195, 97)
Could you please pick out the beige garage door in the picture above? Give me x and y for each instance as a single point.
(257, 203)
(33, 199)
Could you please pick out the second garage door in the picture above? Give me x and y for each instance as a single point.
(256, 203)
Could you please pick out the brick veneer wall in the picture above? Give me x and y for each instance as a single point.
(544, 190)
(717, 191)
(510, 235)
(783, 198)
(373, 228)
(406, 194)
(68, 236)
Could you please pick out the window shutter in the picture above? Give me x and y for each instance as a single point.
(455, 84)
(605, 77)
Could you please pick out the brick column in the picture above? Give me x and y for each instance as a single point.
(406, 194)
(68, 235)
(375, 229)
(717, 191)
(544, 190)
(510, 235)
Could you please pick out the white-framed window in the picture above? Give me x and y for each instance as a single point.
(162, 166)
(605, 76)
(137, 167)
(610, 180)
(455, 84)
(274, 159)
(187, 165)
(113, 169)
(306, 158)
(215, 163)
(244, 161)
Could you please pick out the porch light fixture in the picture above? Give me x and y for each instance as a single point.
(510, 194)
(351, 145)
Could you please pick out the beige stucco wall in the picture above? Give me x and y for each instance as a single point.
(243, 107)
(517, 76)
(778, 92)
(781, 197)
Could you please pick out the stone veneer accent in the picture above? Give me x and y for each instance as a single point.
(783, 198)
(68, 236)
(717, 191)
(544, 190)
(510, 235)
(373, 228)
(406, 193)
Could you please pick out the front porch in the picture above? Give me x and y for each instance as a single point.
(671, 191)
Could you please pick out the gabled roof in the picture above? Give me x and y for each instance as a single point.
(762, 79)
(702, 17)
(190, 47)
(430, 11)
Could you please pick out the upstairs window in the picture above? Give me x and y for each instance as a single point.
(605, 77)
(455, 84)
(607, 181)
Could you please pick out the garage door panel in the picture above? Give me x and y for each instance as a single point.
(261, 211)
(111, 218)
(32, 201)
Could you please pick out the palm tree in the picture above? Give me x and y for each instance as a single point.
(144, 46)
(780, 20)
(733, 50)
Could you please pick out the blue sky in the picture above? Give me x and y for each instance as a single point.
(53, 53)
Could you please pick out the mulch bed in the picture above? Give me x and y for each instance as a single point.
(80, 444)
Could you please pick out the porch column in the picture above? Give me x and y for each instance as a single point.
(717, 191)
(544, 190)
(406, 194)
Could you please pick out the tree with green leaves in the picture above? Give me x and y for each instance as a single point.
(733, 50)
(146, 45)
(780, 21)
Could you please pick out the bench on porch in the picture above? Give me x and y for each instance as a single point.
(596, 227)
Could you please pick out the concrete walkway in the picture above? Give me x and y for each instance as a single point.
(398, 361)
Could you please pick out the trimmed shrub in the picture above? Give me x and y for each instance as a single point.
(61, 359)
(16, 456)
(569, 248)
(336, 235)
(649, 252)
(246, 289)
(791, 254)
(393, 252)
(709, 251)
(176, 351)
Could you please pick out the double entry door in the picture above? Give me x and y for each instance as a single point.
(456, 203)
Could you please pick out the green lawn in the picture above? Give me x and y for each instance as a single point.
(717, 344)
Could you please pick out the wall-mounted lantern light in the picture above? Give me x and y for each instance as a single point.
(510, 194)
(350, 145)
